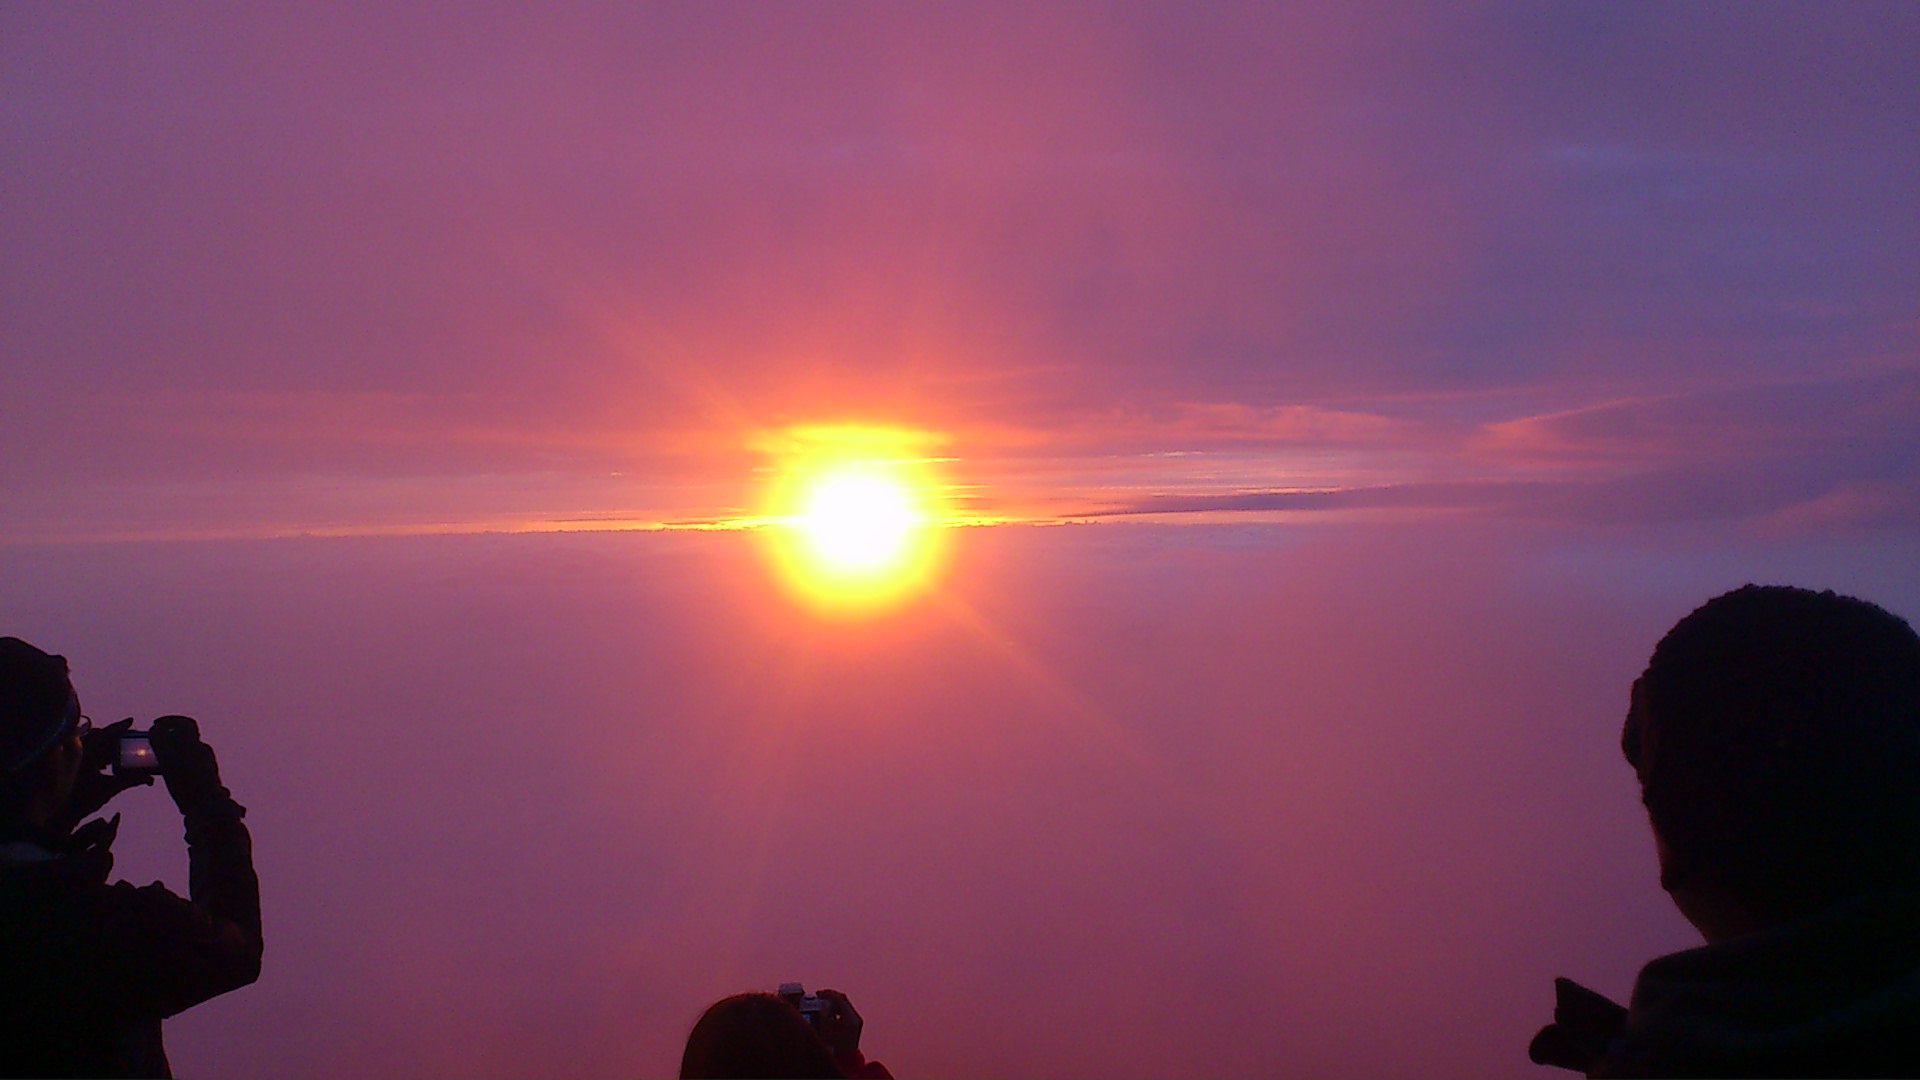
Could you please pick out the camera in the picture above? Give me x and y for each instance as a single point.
(812, 1006)
(135, 753)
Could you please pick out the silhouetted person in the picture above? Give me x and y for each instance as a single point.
(1776, 736)
(90, 969)
(762, 1035)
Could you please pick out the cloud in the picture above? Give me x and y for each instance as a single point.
(1457, 496)
(1742, 421)
(1849, 507)
(1791, 498)
(1838, 454)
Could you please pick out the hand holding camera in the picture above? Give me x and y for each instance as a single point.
(840, 1025)
(94, 787)
(187, 764)
(172, 750)
(831, 1015)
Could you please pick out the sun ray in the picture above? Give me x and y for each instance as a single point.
(750, 798)
(1200, 810)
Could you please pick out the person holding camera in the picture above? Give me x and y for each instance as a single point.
(91, 969)
(792, 1034)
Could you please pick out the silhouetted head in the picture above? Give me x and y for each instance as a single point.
(1776, 735)
(39, 740)
(755, 1035)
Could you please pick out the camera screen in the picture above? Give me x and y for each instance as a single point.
(136, 752)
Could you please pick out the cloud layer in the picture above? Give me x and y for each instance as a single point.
(1332, 801)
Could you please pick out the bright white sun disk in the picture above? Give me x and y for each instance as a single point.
(858, 523)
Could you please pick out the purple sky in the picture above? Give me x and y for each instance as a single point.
(1472, 344)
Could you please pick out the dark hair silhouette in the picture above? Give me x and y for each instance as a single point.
(34, 695)
(34, 689)
(755, 1035)
(1776, 734)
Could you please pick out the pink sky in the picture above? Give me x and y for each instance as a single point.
(292, 269)
(1474, 344)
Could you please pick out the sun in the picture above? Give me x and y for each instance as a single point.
(852, 524)
(858, 522)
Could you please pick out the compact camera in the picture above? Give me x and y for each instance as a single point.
(812, 1006)
(135, 753)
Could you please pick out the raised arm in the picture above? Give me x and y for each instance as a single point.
(176, 953)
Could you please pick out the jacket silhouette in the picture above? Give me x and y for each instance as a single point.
(1835, 994)
(91, 968)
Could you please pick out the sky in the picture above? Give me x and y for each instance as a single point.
(1324, 409)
